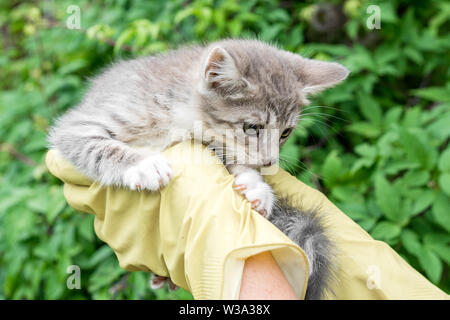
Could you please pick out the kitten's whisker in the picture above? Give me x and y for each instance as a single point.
(325, 124)
(319, 127)
(325, 107)
(321, 114)
(306, 129)
(287, 166)
(292, 168)
(291, 164)
(302, 166)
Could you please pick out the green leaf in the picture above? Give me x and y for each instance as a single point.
(72, 67)
(431, 263)
(394, 167)
(86, 228)
(444, 182)
(106, 272)
(412, 118)
(386, 230)
(366, 151)
(386, 54)
(124, 37)
(100, 255)
(361, 163)
(352, 28)
(388, 12)
(332, 168)
(439, 243)
(56, 204)
(369, 108)
(388, 198)
(443, 251)
(415, 178)
(386, 145)
(347, 193)
(411, 242)
(423, 201)
(434, 93)
(183, 14)
(53, 286)
(416, 149)
(436, 113)
(356, 211)
(441, 211)
(360, 59)
(235, 27)
(414, 54)
(392, 116)
(139, 282)
(365, 129)
(368, 154)
(440, 128)
(367, 223)
(444, 161)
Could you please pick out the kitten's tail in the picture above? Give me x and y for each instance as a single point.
(306, 229)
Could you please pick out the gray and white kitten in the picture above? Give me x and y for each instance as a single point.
(247, 86)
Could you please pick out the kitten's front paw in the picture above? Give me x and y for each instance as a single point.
(157, 282)
(259, 193)
(151, 173)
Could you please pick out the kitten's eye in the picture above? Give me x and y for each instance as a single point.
(286, 133)
(252, 129)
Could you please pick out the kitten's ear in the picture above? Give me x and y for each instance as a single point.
(317, 75)
(220, 71)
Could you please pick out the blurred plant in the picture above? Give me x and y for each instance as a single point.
(377, 145)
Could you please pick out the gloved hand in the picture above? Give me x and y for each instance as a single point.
(198, 231)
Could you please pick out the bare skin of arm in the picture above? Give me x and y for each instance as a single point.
(262, 279)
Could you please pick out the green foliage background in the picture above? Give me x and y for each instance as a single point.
(377, 145)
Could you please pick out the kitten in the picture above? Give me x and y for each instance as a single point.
(246, 86)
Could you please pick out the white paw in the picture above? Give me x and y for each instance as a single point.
(152, 173)
(259, 193)
(157, 282)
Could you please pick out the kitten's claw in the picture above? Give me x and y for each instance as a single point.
(151, 173)
(255, 203)
(240, 187)
(259, 193)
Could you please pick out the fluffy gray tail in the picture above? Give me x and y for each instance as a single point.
(307, 230)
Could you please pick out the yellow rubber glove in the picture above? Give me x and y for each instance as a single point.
(198, 231)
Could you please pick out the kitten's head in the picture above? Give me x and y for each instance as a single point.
(251, 94)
